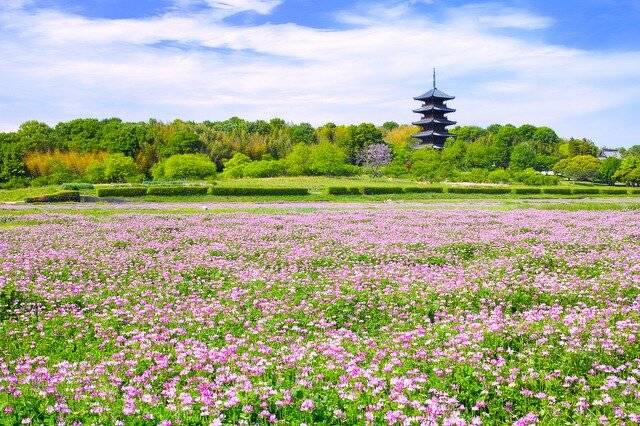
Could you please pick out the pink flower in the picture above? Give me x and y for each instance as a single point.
(307, 405)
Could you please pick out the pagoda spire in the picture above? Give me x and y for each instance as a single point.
(433, 124)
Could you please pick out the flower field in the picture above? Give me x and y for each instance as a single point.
(364, 315)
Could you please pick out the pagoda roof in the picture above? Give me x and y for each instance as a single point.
(434, 120)
(429, 133)
(429, 108)
(434, 94)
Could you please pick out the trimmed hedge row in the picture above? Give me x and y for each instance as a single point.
(527, 190)
(375, 190)
(478, 190)
(424, 189)
(121, 191)
(58, 197)
(237, 191)
(559, 190)
(177, 190)
(494, 190)
(343, 190)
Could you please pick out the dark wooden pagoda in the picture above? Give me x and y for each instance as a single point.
(433, 124)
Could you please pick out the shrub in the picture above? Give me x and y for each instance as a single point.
(529, 190)
(478, 190)
(344, 190)
(121, 191)
(177, 190)
(424, 189)
(533, 178)
(264, 168)
(77, 186)
(585, 191)
(15, 183)
(499, 176)
(560, 190)
(184, 166)
(373, 190)
(244, 191)
(614, 191)
(234, 167)
(120, 168)
(58, 197)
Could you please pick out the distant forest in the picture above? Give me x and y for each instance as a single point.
(100, 151)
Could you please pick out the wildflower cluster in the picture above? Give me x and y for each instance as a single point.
(352, 315)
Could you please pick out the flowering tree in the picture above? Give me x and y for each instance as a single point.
(375, 156)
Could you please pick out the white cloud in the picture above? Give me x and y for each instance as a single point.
(193, 65)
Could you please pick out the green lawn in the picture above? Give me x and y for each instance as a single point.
(317, 186)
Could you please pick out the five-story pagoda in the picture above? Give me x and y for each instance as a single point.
(433, 125)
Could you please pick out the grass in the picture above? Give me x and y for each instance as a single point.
(318, 186)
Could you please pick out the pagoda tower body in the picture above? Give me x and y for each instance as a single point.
(434, 121)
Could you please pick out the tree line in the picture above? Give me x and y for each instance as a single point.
(113, 150)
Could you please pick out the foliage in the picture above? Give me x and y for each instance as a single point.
(478, 190)
(523, 157)
(118, 167)
(579, 168)
(373, 190)
(344, 190)
(629, 171)
(186, 167)
(75, 150)
(163, 190)
(228, 191)
(58, 197)
(608, 169)
(121, 191)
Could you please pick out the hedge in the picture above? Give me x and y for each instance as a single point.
(614, 191)
(635, 191)
(560, 190)
(585, 191)
(177, 190)
(529, 190)
(240, 191)
(121, 191)
(424, 189)
(344, 190)
(75, 186)
(58, 197)
(478, 190)
(373, 190)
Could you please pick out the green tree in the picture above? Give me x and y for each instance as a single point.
(467, 134)
(37, 136)
(545, 141)
(523, 157)
(390, 125)
(298, 160)
(181, 142)
(579, 168)
(425, 163)
(608, 169)
(185, 166)
(629, 170)
(326, 133)
(302, 133)
(328, 159)
(233, 168)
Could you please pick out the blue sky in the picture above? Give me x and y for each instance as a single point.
(573, 65)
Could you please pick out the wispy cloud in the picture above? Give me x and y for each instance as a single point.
(196, 66)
